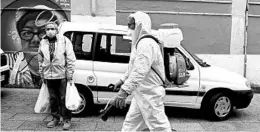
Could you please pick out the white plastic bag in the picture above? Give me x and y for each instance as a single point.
(43, 102)
(73, 99)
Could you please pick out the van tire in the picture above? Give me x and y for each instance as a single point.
(6, 81)
(86, 107)
(219, 107)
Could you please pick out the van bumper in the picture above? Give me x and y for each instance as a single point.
(243, 98)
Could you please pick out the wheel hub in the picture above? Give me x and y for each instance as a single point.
(222, 106)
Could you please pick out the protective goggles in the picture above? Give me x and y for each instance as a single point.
(131, 23)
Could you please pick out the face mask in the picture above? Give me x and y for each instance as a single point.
(51, 30)
(133, 36)
(136, 33)
(51, 33)
(129, 32)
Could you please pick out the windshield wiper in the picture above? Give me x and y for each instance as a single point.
(201, 62)
(205, 64)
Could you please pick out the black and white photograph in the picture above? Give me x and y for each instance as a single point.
(130, 65)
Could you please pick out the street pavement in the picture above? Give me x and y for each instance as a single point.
(17, 114)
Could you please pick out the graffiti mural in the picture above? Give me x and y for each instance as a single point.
(22, 28)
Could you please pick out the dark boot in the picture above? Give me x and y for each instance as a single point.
(53, 123)
(66, 125)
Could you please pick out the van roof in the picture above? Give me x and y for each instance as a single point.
(92, 27)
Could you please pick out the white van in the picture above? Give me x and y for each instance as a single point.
(4, 69)
(102, 53)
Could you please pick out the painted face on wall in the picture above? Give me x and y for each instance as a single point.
(31, 36)
(31, 29)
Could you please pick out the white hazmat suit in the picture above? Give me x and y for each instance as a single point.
(144, 84)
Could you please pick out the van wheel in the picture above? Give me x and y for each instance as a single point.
(6, 74)
(219, 107)
(86, 105)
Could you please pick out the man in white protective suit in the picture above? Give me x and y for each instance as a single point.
(147, 108)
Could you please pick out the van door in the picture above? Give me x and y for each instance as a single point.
(110, 64)
(186, 94)
(83, 47)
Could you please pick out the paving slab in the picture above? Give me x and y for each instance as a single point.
(218, 126)
(14, 103)
(75, 119)
(29, 117)
(119, 119)
(36, 126)
(173, 120)
(80, 126)
(6, 116)
(14, 97)
(247, 116)
(108, 126)
(234, 117)
(11, 125)
(247, 126)
(4, 108)
(20, 109)
(49, 118)
(95, 119)
(32, 98)
(187, 126)
(187, 120)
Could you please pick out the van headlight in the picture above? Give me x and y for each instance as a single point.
(248, 84)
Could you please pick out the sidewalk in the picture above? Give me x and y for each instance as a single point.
(17, 114)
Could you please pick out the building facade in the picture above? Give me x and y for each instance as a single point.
(222, 32)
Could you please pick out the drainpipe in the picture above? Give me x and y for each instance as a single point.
(93, 7)
(245, 40)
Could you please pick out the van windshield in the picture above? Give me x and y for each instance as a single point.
(196, 58)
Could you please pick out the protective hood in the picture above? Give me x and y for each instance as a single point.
(143, 25)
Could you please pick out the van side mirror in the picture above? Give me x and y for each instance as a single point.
(189, 65)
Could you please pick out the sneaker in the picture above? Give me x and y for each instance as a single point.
(66, 125)
(53, 123)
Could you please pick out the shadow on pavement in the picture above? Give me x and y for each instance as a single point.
(4, 94)
(171, 112)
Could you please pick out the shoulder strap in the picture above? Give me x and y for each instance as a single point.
(155, 39)
(158, 75)
(147, 36)
(159, 43)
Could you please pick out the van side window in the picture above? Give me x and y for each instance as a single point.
(106, 50)
(82, 43)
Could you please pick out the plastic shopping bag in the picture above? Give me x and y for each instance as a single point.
(73, 99)
(43, 102)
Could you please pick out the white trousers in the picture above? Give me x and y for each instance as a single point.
(144, 113)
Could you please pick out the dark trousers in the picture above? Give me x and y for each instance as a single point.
(57, 90)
